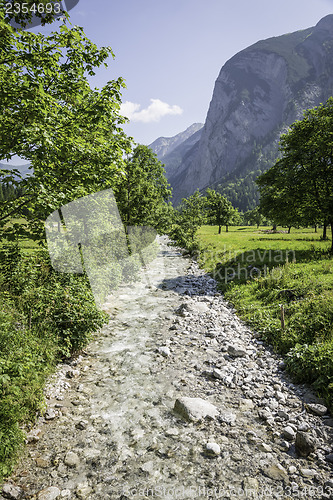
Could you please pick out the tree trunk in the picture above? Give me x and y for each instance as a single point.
(226, 229)
(315, 228)
(289, 229)
(325, 231)
(220, 227)
(274, 227)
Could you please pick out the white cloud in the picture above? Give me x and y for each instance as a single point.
(156, 110)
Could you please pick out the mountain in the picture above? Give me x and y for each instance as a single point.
(23, 169)
(258, 94)
(171, 150)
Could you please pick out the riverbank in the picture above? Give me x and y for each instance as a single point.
(281, 285)
(111, 429)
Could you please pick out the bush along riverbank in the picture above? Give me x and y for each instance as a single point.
(45, 317)
(282, 286)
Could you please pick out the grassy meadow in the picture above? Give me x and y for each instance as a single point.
(282, 285)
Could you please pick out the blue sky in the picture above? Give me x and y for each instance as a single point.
(170, 52)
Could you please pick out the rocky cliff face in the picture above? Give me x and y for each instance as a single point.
(174, 158)
(257, 95)
(165, 145)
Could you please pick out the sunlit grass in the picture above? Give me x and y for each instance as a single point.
(261, 273)
(26, 244)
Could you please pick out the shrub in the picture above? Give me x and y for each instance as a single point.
(45, 316)
(314, 364)
(25, 361)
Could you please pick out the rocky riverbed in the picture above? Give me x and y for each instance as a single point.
(176, 398)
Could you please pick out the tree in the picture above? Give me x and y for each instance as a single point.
(191, 216)
(70, 133)
(277, 201)
(220, 211)
(143, 191)
(254, 217)
(300, 184)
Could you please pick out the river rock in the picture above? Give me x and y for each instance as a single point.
(219, 374)
(71, 373)
(186, 309)
(265, 448)
(283, 414)
(303, 426)
(50, 493)
(304, 444)
(317, 409)
(228, 417)
(195, 408)
(212, 449)
(66, 493)
(42, 463)
(83, 491)
(250, 484)
(276, 472)
(34, 435)
(12, 491)
(288, 433)
(236, 351)
(71, 459)
(246, 404)
(50, 414)
(308, 472)
(164, 351)
(82, 425)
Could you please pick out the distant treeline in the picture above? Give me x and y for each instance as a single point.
(9, 192)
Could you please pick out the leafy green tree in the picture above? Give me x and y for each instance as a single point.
(164, 217)
(143, 191)
(190, 216)
(299, 186)
(277, 201)
(70, 133)
(220, 211)
(254, 217)
(236, 218)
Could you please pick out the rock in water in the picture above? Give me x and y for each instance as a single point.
(50, 493)
(71, 459)
(164, 351)
(195, 408)
(212, 450)
(12, 491)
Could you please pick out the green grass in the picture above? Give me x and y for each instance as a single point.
(263, 273)
(27, 245)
